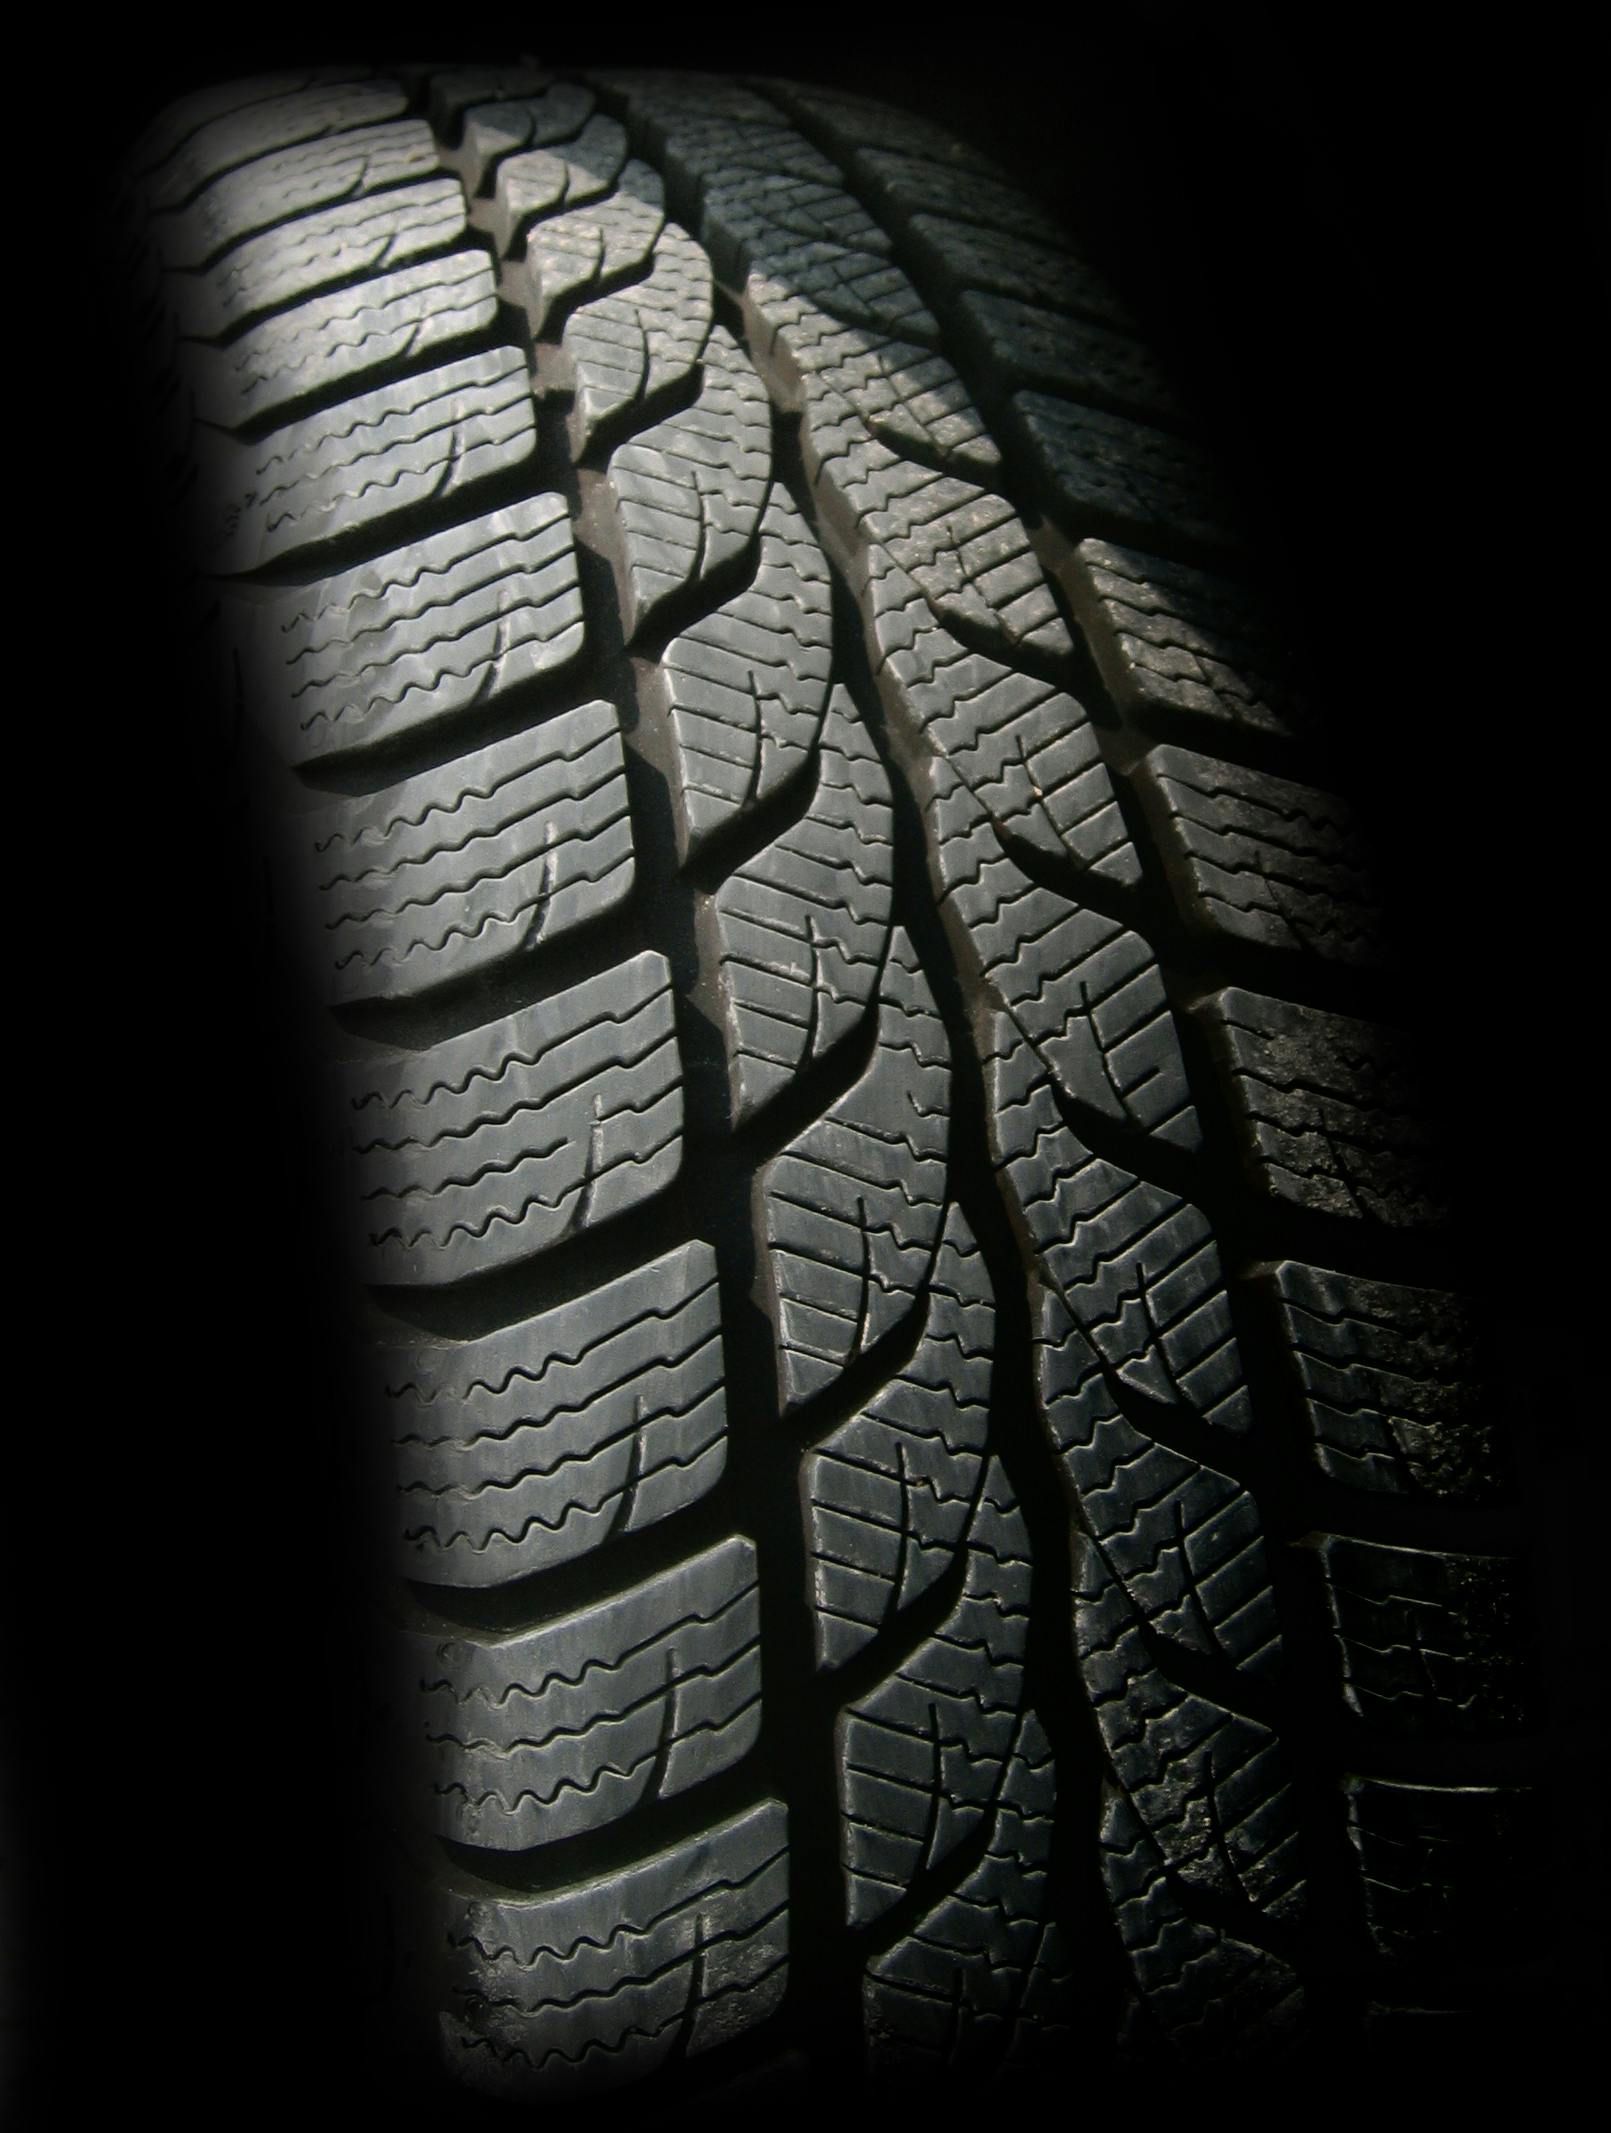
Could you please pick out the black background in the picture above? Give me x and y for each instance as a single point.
(1372, 246)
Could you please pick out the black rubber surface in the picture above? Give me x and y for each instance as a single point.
(1202, 779)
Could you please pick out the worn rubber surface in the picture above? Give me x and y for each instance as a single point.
(944, 1511)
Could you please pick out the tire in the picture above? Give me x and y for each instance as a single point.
(878, 1110)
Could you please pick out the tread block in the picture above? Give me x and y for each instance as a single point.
(853, 285)
(1329, 1112)
(587, 1987)
(187, 115)
(620, 350)
(660, 102)
(278, 188)
(542, 181)
(538, 1736)
(1450, 1873)
(338, 244)
(746, 687)
(852, 121)
(926, 1754)
(1429, 1641)
(1390, 1394)
(607, 240)
(505, 126)
(1213, 1995)
(888, 1493)
(1019, 344)
(457, 90)
(801, 930)
(1084, 990)
(1447, 2036)
(963, 257)
(905, 185)
(1172, 640)
(1261, 859)
(851, 1211)
(964, 548)
(222, 144)
(984, 1971)
(485, 857)
(746, 162)
(701, 143)
(1210, 1785)
(1111, 474)
(904, 396)
(329, 339)
(353, 467)
(540, 1442)
(424, 634)
(1024, 748)
(488, 1147)
(1183, 1540)
(688, 493)
(771, 206)
(1136, 1266)
(759, 204)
